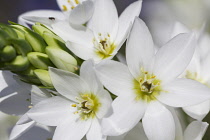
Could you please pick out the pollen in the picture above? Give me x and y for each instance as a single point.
(65, 8)
(74, 105)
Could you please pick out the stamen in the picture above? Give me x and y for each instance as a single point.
(74, 105)
(64, 8)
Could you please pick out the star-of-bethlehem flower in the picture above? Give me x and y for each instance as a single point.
(149, 83)
(80, 111)
(73, 11)
(198, 69)
(104, 33)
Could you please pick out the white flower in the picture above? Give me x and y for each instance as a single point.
(79, 113)
(149, 82)
(198, 69)
(105, 32)
(73, 11)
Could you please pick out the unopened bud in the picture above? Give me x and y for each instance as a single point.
(20, 63)
(8, 30)
(62, 59)
(44, 77)
(8, 53)
(40, 29)
(36, 41)
(22, 47)
(39, 60)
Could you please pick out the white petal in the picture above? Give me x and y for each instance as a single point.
(178, 125)
(184, 92)
(158, 122)
(198, 111)
(127, 112)
(178, 29)
(24, 119)
(88, 74)
(37, 16)
(125, 19)
(82, 13)
(68, 84)
(195, 130)
(83, 51)
(115, 77)
(105, 17)
(140, 48)
(173, 58)
(38, 94)
(106, 101)
(74, 33)
(52, 111)
(18, 130)
(137, 133)
(71, 130)
(95, 132)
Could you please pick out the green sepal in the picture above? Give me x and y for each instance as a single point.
(54, 41)
(20, 33)
(44, 77)
(22, 47)
(20, 63)
(8, 30)
(61, 59)
(8, 53)
(3, 39)
(40, 29)
(36, 41)
(39, 60)
(30, 79)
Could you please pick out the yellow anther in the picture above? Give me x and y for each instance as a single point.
(72, 7)
(76, 112)
(99, 34)
(76, 1)
(30, 106)
(108, 35)
(69, 1)
(153, 76)
(74, 105)
(146, 72)
(64, 8)
(140, 80)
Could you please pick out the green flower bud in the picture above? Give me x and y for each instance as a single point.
(62, 59)
(3, 38)
(8, 53)
(20, 63)
(40, 29)
(8, 30)
(29, 76)
(22, 47)
(36, 41)
(39, 60)
(54, 41)
(20, 33)
(44, 77)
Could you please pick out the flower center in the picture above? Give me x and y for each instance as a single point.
(71, 4)
(103, 45)
(87, 106)
(147, 87)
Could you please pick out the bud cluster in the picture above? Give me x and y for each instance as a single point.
(28, 53)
